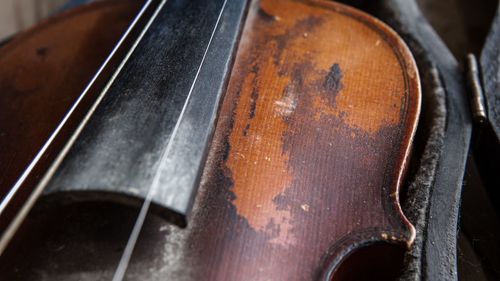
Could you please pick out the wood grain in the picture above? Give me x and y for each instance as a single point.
(309, 151)
(308, 155)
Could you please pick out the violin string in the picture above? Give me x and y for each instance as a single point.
(18, 219)
(134, 236)
(41, 152)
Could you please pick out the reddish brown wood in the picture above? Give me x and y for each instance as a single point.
(308, 155)
(309, 151)
(42, 72)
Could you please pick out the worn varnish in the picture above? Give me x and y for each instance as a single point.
(307, 158)
(310, 148)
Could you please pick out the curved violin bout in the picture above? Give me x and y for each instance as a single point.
(311, 146)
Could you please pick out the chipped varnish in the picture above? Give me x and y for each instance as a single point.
(309, 150)
(310, 146)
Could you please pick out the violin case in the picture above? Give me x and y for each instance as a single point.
(451, 189)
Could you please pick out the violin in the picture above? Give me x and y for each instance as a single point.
(213, 140)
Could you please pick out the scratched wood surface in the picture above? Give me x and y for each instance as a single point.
(306, 162)
(309, 151)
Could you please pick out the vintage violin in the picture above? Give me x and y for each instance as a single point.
(213, 140)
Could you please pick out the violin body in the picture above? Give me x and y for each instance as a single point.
(301, 170)
(302, 177)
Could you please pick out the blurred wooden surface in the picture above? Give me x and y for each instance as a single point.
(17, 15)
